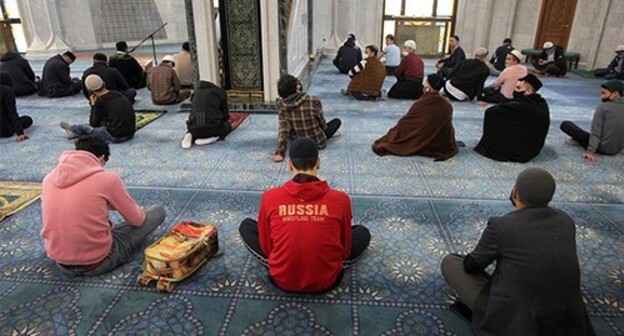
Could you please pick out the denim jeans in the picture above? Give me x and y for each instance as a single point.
(97, 132)
(126, 240)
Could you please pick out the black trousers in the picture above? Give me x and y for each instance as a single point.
(575, 133)
(491, 95)
(406, 89)
(360, 239)
(7, 131)
(331, 128)
(390, 70)
(130, 94)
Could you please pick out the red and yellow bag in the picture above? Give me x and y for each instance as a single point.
(177, 255)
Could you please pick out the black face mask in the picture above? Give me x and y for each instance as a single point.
(518, 94)
(604, 100)
(512, 200)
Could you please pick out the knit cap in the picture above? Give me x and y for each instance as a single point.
(303, 148)
(536, 187)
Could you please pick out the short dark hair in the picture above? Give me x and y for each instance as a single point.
(455, 37)
(93, 145)
(304, 164)
(100, 57)
(507, 40)
(390, 37)
(287, 85)
(372, 48)
(186, 46)
(70, 55)
(121, 46)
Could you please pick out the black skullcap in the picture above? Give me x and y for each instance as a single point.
(533, 80)
(70, 55)
(536, 187)
(100, 57)
(121, 46)
(435, 81)
(303, 148)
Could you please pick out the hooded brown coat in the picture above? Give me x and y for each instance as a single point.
(426, 129)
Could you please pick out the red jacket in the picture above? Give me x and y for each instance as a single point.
(411, 67)
(305, 230)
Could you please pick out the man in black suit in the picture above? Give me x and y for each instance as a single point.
(446, 65)
(535, 287)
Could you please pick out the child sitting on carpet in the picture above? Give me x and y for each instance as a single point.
(209, 118)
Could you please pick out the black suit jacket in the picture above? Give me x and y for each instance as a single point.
(560, 60)
(535, 288)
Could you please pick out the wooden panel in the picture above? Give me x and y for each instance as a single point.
(555, 22)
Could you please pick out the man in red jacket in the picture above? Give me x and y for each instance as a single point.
(304, 233)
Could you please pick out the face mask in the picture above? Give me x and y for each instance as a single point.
(518, 94)
(512, 200)
(604, 100)
(404, 53)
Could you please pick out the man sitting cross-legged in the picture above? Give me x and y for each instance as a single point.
(75, 200)
(304, 234)
(426, 129)
(367, 77)
(535, 288)
(113, 80)
(300, 115)
(607, 130)
(112, 116)
(516, 130)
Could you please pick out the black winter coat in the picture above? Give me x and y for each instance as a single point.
(20, 72)
(209, 110)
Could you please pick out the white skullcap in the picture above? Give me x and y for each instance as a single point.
(168, 58)
(410, 44)
(548, 45)
(94, 83)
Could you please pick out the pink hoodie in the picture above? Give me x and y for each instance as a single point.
(75, 200)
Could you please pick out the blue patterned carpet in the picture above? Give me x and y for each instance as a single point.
(417, 211)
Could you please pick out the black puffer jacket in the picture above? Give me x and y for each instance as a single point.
(20, 72)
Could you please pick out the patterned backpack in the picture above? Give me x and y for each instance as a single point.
(177, 255)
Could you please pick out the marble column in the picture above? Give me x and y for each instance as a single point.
(270, 48)
(42, 20)
(206, 40)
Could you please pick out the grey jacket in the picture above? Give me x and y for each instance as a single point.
(607, 130)
(535, 288)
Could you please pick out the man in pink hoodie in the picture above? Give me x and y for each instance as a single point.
(75, 200)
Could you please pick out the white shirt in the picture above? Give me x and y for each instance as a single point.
(393, 55)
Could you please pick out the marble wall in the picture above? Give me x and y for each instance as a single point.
(297, 38)
(52, 26)
(596, 30)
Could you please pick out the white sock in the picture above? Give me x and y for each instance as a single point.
(187, 141)
(206, 141)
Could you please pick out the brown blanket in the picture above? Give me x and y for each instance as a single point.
(426, 129)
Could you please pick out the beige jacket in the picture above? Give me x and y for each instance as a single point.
(183, 67)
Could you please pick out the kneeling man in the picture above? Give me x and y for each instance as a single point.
(75, 200)
(516, 130)
(304, 233)
(536, 285)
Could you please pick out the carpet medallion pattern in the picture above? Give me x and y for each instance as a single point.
(417, 210)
